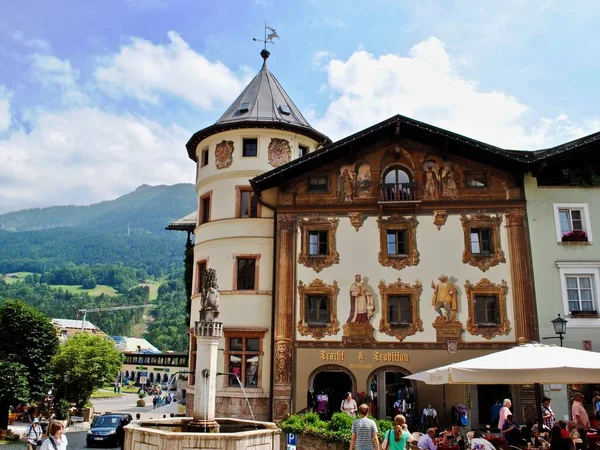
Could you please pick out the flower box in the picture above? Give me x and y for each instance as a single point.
(575, 236)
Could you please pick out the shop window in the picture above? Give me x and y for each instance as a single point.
(398, 243)
(246, 202)
(205, 154)
(243, 357)
(482, 241)
(318, 183)
(476, 180)
(318, 309)
(250, 147)
(246, 272)
(318, 242)
(400, 309)
(487, 308)
(205, 205)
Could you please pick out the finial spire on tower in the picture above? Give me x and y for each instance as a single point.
(268, 39)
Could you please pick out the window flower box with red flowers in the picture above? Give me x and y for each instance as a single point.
(575, 236)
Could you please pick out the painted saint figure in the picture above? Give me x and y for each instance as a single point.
(449, 181)
(347, 184)
(431, 184)
(361, 302)
(444, 297)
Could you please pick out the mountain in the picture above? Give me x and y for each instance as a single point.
(129, 230)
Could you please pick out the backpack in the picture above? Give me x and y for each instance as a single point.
(464, 420)
(597, 409)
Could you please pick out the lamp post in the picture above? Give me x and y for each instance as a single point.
(66, 380)
(560, 328)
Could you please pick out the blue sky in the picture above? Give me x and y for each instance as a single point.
(97, 98)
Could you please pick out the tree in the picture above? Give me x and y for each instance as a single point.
(29, 340)
(90, 361)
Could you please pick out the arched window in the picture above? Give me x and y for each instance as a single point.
(397, 185)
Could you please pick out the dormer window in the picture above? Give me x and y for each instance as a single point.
(244, 108)
(284, 109)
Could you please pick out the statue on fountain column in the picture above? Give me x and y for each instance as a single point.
(210, 297)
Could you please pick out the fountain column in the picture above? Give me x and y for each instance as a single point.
(208, 332)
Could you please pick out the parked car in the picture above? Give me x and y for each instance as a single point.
(107, 429)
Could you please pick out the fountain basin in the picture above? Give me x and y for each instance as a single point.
(173, 434)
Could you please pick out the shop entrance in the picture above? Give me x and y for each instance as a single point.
(392, 394)
(489, 401)
(334, 384)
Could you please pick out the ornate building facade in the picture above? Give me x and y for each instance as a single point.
(344, 266)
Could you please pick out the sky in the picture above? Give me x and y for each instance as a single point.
(99, 97)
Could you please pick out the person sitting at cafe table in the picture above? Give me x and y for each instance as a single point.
(563, 429)
(529, 433)
(479, 443)
(448, 439)
(511, 431)
(425, 442)
(573, 431)
(557, 441)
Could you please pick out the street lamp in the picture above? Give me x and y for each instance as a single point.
(66, 380)
(560, 328)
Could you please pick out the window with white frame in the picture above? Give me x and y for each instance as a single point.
(572, 221)
(580, 283)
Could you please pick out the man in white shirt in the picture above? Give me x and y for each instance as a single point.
(426, 441)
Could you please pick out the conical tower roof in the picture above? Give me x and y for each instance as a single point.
(262, 104)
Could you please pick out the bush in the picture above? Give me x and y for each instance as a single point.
(340, 422)
(12, 437)
(337, 430)
(62, 409)
(142, 394)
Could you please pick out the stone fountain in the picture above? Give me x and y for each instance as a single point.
(203, 430)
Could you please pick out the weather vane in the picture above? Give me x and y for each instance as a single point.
(268, 37)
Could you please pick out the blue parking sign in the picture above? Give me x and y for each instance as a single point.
(291, 439)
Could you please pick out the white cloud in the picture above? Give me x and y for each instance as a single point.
(147, 4)
(35, 43)
(327, 22)
(425, 86)
(147, 71)
(86, 155)
(5, 115)
(55, 73)
(321, 57)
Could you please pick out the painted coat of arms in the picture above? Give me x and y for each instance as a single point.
(280, 152)
(224, 154)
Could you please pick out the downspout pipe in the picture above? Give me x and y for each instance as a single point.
(260, 201)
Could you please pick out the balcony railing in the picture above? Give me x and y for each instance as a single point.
(401, 192)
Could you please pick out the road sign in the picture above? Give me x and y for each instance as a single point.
(143, 380)
(291, 439)
(144, 374)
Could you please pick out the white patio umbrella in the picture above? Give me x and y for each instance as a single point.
(525, 364)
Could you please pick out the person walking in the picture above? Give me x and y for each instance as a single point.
(33, 436)
(547, 413)
(57, 440)
(580, 417)
(504, 412)
(364, 431)
(396, 438)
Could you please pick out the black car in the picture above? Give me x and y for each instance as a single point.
(107, 429)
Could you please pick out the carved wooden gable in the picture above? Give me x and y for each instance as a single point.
(402, 171)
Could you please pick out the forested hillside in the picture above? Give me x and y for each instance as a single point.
(119, 246)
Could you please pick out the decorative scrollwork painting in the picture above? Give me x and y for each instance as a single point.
(482, 257)
(318, 289)
(489, 319)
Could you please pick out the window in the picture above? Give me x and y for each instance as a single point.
(244, 107)
(476, 180)
(246, 201)
(580, 285)
(318, 242)
(205, 157)
(243, 357)
(205, 207)
(303, 150)
(246, 273)
(482, 240)
(318, 309)
(487, 308)
(397, 186)
(200, 271)
(250, 147)
(572, 222)
(580, 293)
(400, 309)
(284, 109)
(318, 184)
(398, 243)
